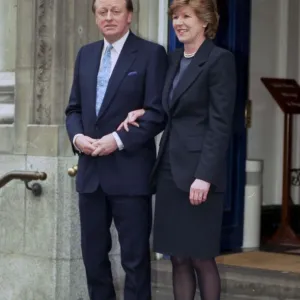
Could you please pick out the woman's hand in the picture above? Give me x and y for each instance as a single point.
(131, 119)
(198, 191)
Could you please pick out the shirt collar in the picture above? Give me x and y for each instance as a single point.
(118, 45)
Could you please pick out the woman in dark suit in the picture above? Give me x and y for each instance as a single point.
(190, 172)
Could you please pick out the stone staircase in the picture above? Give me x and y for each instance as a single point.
(237, 283)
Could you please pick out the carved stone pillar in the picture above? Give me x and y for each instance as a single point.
(46, 50)
(61, 28)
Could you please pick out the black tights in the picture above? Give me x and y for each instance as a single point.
(185, 273)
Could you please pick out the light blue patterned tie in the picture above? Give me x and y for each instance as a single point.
(103, 77)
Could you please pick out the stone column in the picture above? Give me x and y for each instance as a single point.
(40, 256)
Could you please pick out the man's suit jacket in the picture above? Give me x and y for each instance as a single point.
(200, 116)
(137, 81)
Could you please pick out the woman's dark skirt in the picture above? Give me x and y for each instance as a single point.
(181, 229)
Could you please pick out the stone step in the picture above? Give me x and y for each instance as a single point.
(237, 283)
(166, 294)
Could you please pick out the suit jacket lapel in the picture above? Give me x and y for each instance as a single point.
(173, 68)
(193, 70)
(125, 60)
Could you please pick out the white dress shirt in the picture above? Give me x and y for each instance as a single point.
(115, 53)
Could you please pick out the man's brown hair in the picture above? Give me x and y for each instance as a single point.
(129, 5)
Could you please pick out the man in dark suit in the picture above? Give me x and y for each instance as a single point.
(112, 77)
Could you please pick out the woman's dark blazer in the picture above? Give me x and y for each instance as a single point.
(200, 116)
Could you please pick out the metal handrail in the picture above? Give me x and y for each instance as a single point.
(25, 176)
